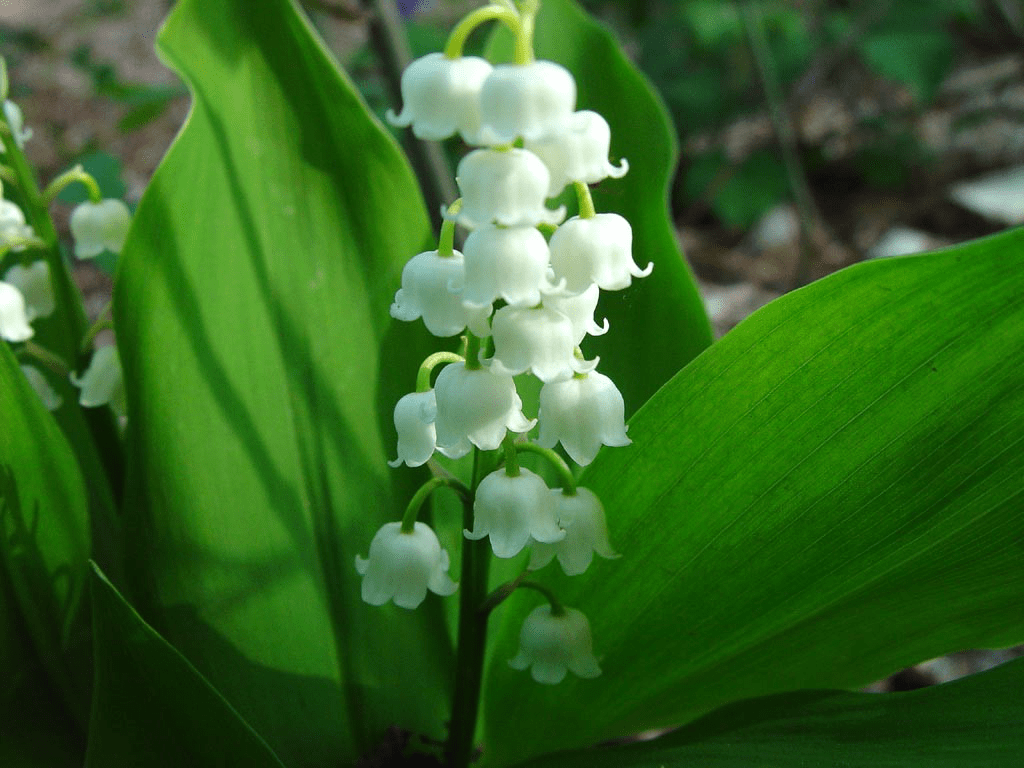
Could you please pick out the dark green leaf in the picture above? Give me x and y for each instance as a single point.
(658, 324)
(262, 369)
(828, 494)
(151, 707)
(970, 723)
(918, 58)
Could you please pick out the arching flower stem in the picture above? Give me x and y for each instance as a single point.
(508, 445)
(472, 351)
(586, 202)
(71, 176)
(446, 243)
(500, 594)
(427, 368)
(457, 39)
(568, 480)
(413, 508)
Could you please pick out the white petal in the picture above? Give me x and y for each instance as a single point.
(34, 283)
(526, 101)
(14, 325)
(504, 187)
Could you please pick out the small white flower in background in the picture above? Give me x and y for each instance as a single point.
(34, 283)
(16, 121)
(513, 511)
(414, 422)
(14, 325)
(403, 566)
(103, 382)
(505, 187)
(586, 532)
(595, 250)
(580, 311)
(51, 400)
(509, 263)
(582, 413)
(535, 339)
(13, 229)
(441, 96)
(527, 101)
(427, 291)
(552, 645)
(98, 227)
(579, 153)
(476, 406)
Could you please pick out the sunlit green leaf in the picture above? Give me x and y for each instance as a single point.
(828, 494)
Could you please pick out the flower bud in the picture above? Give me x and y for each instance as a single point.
(535, 339)
(586, 532)
(552, 644)
(513, 510)
(595, 250)
(583, 413)
(503, 187)
(441, 96)
(103, 382)
(475, 406)
(507, 263)
(414, 422)
(428, 280)
(579, 153)
(14, 325)
(525, 101)
(403, 566)
(34, 283)
(99, 227)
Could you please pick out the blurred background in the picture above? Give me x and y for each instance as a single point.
(813, 134)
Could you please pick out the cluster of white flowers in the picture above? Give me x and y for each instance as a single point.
(531, 301)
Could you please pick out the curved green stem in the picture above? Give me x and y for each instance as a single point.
(508, 445)
(71, 176)
(472, 351)
(446, 244)
(586, 202)
(457, 39)
(502, 593)
(568, 480)
(413, 508)
(427, 367)
(103, 322)
(45, 357)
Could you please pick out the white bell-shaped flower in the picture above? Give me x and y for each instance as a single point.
(103, 381)
(509, 263)
(476, 406)
(34, 283)
(580, 311)
(525, 101)
(13, 229)
(414, 422)
(51, 400)
(579, 153)
(16, 122)
(403, 566)
(98, 227)
(582, 413)
(553, 644)
(429, 283)
(514, 510)
(441, 96)
(586, 532)
(14, 325)
(505, 187)
(597, 250)
(535, 339)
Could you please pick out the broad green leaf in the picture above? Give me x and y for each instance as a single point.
(970, 723)
(44, 539)
(918, 58)
(828, 494)
(151, 707)
(262, 370)
(658, 324)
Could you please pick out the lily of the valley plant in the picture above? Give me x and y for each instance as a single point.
(349, 491)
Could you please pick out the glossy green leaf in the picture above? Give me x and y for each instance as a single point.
(659, 323)
(261, 371)
(44, 539)
(151, 707)
(971, 723)
(828, 494)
